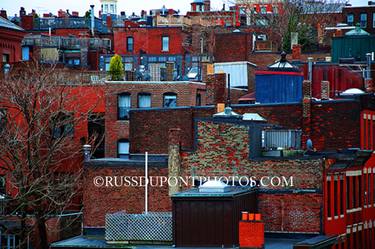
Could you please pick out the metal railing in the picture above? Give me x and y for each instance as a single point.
(70, 22)
(66, 42)
(152, 227)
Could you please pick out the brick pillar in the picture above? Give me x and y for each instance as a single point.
(325, 90)
(306, 112)
(174, 159)
(369, 85)
(169, 70)
(296, 52)
(215, 88)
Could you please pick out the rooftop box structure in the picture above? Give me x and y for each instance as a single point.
(210, 218)
(280, 83)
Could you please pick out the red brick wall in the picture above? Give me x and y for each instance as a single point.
(100, 201)
(232, 47)
(326, 117)
(148, 40)
(223, 150)
(119, 129)
(10, 43)
(291, 212)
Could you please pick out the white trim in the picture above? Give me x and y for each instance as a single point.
(353, 210)
(328, 178)
(329, 218)
(365, 171)
(348, 230)
(354, 173)
(342, 216)
(336, 217)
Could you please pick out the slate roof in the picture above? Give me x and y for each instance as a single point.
(5, 23)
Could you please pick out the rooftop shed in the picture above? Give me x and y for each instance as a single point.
(207, 218)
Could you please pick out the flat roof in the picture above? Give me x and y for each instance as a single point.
(233, 191)
(99, 242)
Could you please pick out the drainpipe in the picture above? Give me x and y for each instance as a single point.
(310, 68)
(92, 19)
(369, 58)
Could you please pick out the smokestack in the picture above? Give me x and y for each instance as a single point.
(92, 20)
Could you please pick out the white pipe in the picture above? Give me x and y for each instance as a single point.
(146, 184)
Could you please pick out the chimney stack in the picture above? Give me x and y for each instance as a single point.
(215, 89)
(174, 159)
(325, 90)
(3, 13)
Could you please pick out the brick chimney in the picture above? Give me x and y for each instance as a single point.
(174, 159)
(325, 89)
(27, 22)
(306, 112)
(215, 89)
(296, 52)
(3, 13)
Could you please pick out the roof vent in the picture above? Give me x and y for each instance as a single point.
(214, 187)
(253, 117)
(352, 91)
(227, 113)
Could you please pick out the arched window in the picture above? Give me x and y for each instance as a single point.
(124, 105)
(169, 100)
(123, 148)
(144, 100)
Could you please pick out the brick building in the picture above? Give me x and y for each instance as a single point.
(226, 146)
(362, 15)
(10, 42)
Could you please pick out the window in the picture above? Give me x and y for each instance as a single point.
(144, 100)
(96, 131)
(62, 125)
(2, 185)
(363, 20)
(3, 116)
(342, 195)
(373, 20)
(123, 149)
(124, 104)
(198, 101)
(165, 44)
(348, 193)
(5, 58)
(170, 100)
(329, 197)
(130, 44)
(263, 10)
(335, 200)
(105, 9)
(112, 8)
(350, 19)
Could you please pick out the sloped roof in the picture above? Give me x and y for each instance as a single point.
(5, 23)
(357, 31)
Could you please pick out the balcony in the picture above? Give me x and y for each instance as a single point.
(66, 42)
(68, 23)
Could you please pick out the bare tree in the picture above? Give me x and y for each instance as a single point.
(307, 18)
(39, 152)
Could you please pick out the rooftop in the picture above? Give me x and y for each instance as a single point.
(5, 23)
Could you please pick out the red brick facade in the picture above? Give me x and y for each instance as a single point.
(148, 40)
(119, 129)
(321, 128)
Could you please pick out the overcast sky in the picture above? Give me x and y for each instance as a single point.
(129, 6)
